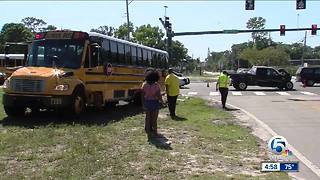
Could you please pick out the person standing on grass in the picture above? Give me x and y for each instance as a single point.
(172, 89)
(151, 99)
(223, 86)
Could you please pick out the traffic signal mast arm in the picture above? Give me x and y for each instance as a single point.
(234, 31)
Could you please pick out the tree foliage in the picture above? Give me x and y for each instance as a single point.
(106, 30)
(122, 31)
(254, 24)
(33, 24)
(14, 32)
(270, 56)
(149, 36)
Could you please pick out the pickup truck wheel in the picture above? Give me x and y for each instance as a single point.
(310, 83)
(289, 85)
(242, 86)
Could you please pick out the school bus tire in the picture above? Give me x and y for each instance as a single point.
(78, 102)
(137, 99)
(15, 111)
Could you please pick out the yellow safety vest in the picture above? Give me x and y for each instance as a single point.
(223, 81)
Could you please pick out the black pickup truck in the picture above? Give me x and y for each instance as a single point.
(262, 76)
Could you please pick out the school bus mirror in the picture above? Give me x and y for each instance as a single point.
(95, 45)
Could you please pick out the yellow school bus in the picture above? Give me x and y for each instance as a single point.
(70, 70)
(11, 62)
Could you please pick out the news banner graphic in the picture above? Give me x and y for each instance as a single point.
(278, 146)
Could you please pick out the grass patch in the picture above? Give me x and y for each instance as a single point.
(113, 144)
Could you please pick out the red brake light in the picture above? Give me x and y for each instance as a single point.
(39, 36)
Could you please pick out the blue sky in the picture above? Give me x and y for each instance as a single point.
(184, 15)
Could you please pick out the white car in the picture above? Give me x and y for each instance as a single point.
(184, 81)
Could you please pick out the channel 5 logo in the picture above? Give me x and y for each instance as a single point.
(278, 144)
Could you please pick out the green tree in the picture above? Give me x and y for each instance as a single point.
(49, 28)
(149, 36)
(34, 24)
(270, 56)
(106, 30)
(179, 53)
(122, 31)
(254, 24)
(14, 32)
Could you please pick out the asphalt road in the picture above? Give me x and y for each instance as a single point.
(294, 115)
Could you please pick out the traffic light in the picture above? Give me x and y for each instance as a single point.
(249, 4)
(314, 29)
(169, 29)
(300, 4)
(282, 30)
(166, 22)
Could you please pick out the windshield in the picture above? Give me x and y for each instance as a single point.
(61, 53)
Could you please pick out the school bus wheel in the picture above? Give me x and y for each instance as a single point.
(78, 101)
(137, 99)
(15, 111)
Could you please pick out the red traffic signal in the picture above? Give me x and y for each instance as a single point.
(314, 29)
(282, 30)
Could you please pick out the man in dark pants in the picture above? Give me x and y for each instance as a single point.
(223, 85)
(172, 89)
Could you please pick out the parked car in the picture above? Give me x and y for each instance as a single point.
(183, 80)
(308, 75)
(242, 70)
(262, 76)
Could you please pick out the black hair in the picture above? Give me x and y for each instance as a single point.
(152, 76)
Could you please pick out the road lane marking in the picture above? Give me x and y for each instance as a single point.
(192, 93)
(236, 93)
(308, 93)
(283, 93)
(259, 93)
(214, 94)
(313, 167)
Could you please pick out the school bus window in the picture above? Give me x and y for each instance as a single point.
(140, 62)
(128, 54)
(121, 53)
(94, 56)
(153, 60)
(145, 57)
(105, 51)
(134, 55)
(114, 51)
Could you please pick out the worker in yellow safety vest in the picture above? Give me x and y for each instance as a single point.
(223, 85)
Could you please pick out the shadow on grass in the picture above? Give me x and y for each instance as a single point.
(160, 142)
(231, 109)
(89, 118)
(178, 118)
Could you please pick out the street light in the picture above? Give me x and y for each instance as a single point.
(128, 25)
(165, 11)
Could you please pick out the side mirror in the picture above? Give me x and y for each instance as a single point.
(6, 49)
(95, 45)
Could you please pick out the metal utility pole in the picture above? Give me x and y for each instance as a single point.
(128, 25)
(303, 49)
